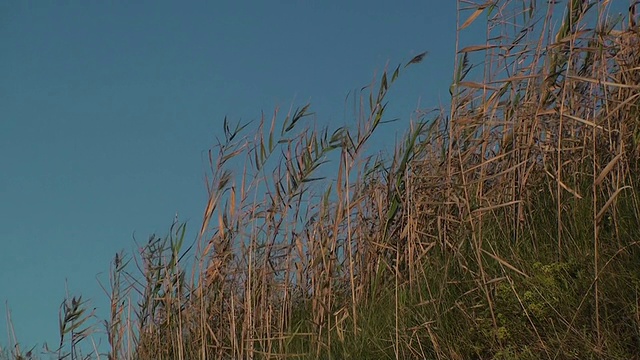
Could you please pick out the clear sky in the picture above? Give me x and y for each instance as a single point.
(107, 110)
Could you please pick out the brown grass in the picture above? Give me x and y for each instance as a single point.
(503, 228)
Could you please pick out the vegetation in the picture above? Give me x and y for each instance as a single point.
(505, 227)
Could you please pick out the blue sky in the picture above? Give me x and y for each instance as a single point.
(108, 109)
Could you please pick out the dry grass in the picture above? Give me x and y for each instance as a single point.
(505, 227)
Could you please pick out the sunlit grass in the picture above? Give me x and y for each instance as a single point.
(506, 227)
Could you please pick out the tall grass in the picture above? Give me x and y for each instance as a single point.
(505, 227)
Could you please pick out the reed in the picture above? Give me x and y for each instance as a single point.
(504, 227)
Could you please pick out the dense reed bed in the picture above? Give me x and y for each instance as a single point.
(504, 227)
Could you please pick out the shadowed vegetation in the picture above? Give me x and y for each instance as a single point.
(504, 227)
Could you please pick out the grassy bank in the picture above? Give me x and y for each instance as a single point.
(504, 227)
